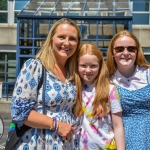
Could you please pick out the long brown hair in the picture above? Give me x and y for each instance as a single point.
(140, 59)
(46, 52)
(101, 83)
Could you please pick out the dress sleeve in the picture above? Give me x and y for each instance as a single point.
(114, 100)
(25, 91)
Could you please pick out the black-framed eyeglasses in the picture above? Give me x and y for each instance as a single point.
(120, 49)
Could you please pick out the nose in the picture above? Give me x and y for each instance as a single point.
(88, 69)
(66, 41)
(125, 51)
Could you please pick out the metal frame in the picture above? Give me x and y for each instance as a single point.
(34, 19)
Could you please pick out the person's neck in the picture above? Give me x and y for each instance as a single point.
(127, 72)
(60, 71)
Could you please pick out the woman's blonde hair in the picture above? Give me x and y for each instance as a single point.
(46, 54)
(101, 83)
(140, 59)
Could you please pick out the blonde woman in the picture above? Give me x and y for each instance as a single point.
(58, 56)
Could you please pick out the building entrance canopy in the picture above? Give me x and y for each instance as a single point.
(77, 8)
(98, 21)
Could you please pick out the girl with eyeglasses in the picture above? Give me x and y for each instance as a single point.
(130, 72)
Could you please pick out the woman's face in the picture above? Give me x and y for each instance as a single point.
(124, 52)
(88, 68)
(65, 41)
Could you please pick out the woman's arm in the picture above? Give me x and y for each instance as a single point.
(118, 130)
(38, 120)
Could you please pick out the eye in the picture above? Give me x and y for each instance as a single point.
(132, 48)
(119, 49)
(61, 37)
(73, 39)
(82, 65)
(94, 66)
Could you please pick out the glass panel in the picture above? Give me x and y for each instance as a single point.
(22, 61)
(90, 41)
(2, 57)
(72, 13)
(3, 17)
(121, 5)
(44, 12)
(147, 58)
(141, 6)
(41, 28)
(91, 6)
(77, 6)
(3, 4)
(25, 42)
(2, 67)
(25, 51)
(63, 6)
(26, 28)
(91, 13)
(11, 56)
(106, 5)
(36, 50)
(48, 5)
(15, 17)
(30, 12)
(141, 19)
(8, 67)
(19, 4)
(39, 43)
(32, 5)
(2, 77)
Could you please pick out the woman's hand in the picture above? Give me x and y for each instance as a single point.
(65, 130)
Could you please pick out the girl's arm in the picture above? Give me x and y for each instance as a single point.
(118, 130)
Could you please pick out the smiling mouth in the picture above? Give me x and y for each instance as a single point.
(65, 49)
(125, 59)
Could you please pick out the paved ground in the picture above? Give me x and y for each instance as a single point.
(6, 119)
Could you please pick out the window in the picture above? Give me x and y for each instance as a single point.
(141, 12)
(7, 67)
(19, 4)
(3, 11)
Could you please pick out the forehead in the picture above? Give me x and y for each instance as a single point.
(124, 40)
(65, 27)
(88, 58)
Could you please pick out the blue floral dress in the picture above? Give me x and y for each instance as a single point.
(136, 116)
(59, 100)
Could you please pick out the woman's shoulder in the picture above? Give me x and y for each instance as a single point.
(32, 61)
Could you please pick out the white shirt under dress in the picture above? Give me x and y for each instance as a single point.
(136, 81)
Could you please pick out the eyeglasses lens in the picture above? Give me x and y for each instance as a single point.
(120, 49)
